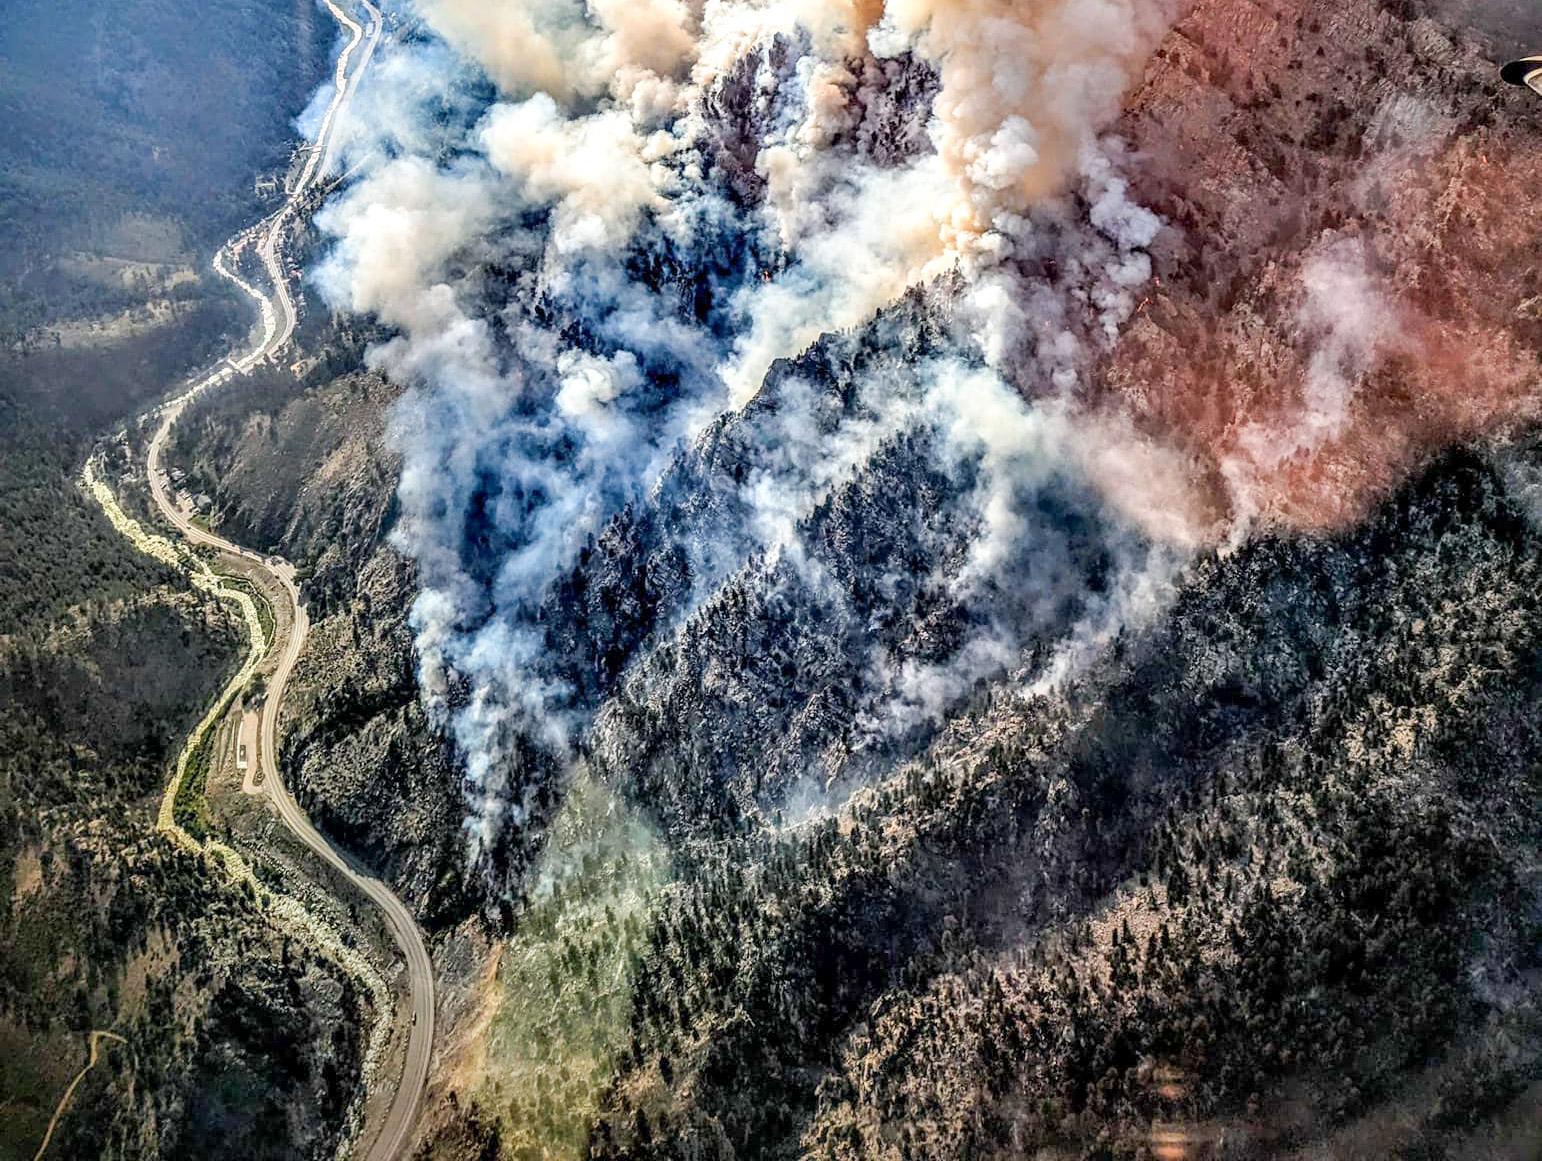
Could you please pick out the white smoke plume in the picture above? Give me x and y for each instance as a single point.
(1347, 324)
(592, 226)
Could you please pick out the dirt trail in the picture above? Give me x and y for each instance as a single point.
(97, 1036)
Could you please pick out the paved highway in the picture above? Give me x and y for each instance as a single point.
(388, 1139)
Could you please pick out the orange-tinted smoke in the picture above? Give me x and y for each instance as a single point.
(1438, 185)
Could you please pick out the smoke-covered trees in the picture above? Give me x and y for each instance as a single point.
(1043, 934)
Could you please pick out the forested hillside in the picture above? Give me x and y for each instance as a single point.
(1082, 707)
(890, 582)
(132, 131)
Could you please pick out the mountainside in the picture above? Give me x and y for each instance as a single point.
(1252, 852)
(1083, 706)
(1365, 176)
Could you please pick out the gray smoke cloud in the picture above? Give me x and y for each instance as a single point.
(581, 269)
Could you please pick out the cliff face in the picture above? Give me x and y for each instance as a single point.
(308, 471)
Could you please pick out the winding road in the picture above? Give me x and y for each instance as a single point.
(388, 1140)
